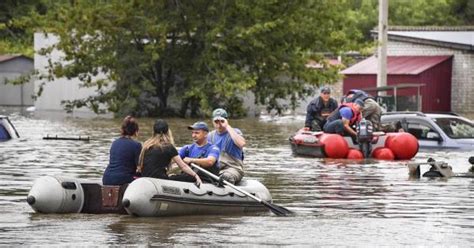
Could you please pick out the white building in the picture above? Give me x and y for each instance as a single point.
(60, 89)
(13, 67)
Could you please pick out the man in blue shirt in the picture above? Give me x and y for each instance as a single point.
(371, 111)
(341, 120)
(201, 153)
(230, 142)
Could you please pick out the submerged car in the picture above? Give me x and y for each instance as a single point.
(433, 130)
(7, 130)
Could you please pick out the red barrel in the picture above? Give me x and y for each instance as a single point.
(355, 154)
(403, 145)
(383, 153)
(335, 146)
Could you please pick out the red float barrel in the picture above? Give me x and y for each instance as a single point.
(403, 145)
(335, 146)
(355, 154)
(383, 153)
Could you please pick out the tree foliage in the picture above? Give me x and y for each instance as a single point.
(205, 52)
(412, 13)
(16, 35)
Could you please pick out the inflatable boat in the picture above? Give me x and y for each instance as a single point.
(143, 197)
(378, 145)
(158, 197)
(7, 130)
(56, 194)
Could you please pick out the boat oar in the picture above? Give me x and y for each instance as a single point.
(278, 210)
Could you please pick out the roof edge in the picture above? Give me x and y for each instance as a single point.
(427, 28)
(431, 28)
(431, 42)
(13, 56)
(413, 73)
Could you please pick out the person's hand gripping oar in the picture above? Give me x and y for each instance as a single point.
(278, 210)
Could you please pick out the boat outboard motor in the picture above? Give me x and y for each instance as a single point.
(54, 194)
(365, 133)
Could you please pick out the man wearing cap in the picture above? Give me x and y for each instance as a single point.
(319, 109)
(230, 142)
(201, 152)
(371, 111)
(341, 120)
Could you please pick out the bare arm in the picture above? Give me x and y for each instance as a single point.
(203, 162)
(348, 128)
(237, 138)
(185, 168)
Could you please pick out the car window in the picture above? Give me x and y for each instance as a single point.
(456, 128)
(419, 130)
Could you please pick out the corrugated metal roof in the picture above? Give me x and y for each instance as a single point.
(456, 37)
(397, 65)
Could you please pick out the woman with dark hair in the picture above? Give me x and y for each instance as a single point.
(158, 152)
(124, 154)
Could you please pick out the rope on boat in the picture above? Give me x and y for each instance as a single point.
(209, 192)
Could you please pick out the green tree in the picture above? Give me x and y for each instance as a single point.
(206, 52)
(15, 33)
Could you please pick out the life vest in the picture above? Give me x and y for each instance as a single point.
(335, 115)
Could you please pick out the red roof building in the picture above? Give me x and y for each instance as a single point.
(431, 75)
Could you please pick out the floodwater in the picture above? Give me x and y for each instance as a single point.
(337, 202)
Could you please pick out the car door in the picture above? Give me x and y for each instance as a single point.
(427, 135)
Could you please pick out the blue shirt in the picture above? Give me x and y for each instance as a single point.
(195, 151)
(346, 113)
(225, 143)
(124, 154)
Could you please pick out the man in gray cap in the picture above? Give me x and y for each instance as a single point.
(231, 143)
(201, 153)
(319, 109)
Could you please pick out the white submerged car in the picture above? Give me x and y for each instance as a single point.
(435, 131)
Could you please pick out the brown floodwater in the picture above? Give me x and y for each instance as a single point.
(337, 202)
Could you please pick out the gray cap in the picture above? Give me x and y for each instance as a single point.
(359, 102)
(200, 125)
(219, 114)
(325, 89)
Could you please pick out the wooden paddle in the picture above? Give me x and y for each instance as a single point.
(278, 210)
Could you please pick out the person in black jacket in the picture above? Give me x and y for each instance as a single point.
(319, 109)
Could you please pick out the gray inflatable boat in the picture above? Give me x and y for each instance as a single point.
(143, 197)
(158, 197)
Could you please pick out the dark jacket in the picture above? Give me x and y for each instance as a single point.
(316, 107)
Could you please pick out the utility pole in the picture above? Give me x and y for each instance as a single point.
(382, 44)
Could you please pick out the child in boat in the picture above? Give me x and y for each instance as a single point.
(124, 154)
(158, 152)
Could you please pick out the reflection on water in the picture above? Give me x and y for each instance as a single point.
(338, 202)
